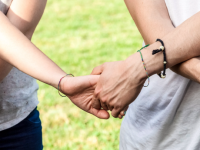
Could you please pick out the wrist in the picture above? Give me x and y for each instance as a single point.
(153, 63)
(55, 78)
(135, 64)
(65, 85)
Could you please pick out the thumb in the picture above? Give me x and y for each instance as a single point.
(97, 70)
(102, 114)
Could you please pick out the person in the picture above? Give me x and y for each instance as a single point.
(164, 115)
(21, 62)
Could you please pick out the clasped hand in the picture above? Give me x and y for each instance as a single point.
(111, 86)
(119, 84)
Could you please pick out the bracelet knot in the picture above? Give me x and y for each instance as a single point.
(156, 51)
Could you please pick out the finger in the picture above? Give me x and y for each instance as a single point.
(110, 107)
(103, 105)
(120, 116)
(97, 70)
(126, 110)
(102, 114)
(95, 100)
(115, 113)
(122, 113)
(96, 103)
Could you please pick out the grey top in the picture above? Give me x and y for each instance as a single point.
(18, 92)
(4, 5)
(166, 115)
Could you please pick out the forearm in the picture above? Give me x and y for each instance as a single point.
(189, 69)
(23, 16)
(158, 26)
(181, 44)
(18, 51)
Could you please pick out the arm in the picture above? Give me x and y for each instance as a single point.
(23, 16)
(157, 24)
(17, 50)
(128, 76)
(151, 18)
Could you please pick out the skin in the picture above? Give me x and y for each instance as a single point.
(80, 92)
(17, 50)
(128, 76)
(158, 26)
(24, 22)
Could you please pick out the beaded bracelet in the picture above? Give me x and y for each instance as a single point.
(162, 48)
(60, 82)
(144, 64)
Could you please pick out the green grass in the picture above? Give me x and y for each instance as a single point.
(79, 35)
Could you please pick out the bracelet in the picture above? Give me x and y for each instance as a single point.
(144, 64)
(162, 48)
(60, 82)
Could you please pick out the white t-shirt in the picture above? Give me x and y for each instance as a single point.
(166, 115)
(18, 92)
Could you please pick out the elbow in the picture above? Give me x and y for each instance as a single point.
(27, 30)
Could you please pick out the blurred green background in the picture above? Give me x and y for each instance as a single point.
(79, 35)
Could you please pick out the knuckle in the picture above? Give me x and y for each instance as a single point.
(118, 107)
(97, 92)
(114, 115)
(104, 99)
(105, 64)
(112, 104)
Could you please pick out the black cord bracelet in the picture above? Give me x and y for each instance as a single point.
(162, 48)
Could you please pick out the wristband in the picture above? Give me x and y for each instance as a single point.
(162, 48)
(144, 64)
(60, 82)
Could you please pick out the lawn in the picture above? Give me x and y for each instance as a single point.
(79, 35)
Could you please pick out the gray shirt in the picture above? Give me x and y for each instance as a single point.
(166, 115)
(18, 92)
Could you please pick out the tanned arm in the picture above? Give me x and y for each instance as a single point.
(153, 21)
(181, 43)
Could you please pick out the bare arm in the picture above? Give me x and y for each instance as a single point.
(152, 20)
(17, 50)
(24, 15)
(128, 76)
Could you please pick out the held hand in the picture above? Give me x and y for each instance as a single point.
(119, 84)
(80, 91)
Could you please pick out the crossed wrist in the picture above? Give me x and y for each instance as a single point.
(154, 63)
(145, 64)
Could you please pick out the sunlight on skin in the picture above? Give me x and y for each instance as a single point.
(78, 36)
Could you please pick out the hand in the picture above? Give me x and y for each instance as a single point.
(80, 91)
(119, 84)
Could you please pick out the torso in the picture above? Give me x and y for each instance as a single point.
(18, 91)
(4, 5)
(166, 115)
